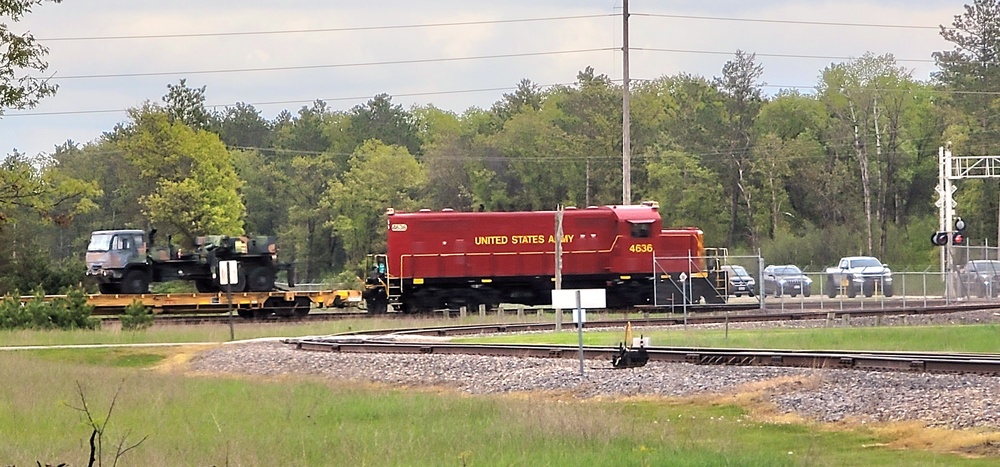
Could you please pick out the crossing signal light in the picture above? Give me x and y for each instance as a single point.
(958, 237)
(940, 238)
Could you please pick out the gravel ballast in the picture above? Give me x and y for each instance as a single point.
(828, 395)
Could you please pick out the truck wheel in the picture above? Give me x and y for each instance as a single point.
(831, 289)
(887, 291)
(239, 286)
(260, 279)
(852, 291)
(206, 286)
(135, 282)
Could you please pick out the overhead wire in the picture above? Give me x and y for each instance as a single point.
(447, 59)
(324, 30)
(335, 65)
(788, 21)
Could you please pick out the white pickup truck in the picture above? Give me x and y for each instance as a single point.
(859, 274)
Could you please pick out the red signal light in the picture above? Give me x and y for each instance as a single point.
(957, 238)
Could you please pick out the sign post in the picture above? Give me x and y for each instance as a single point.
(229, 275)
(684, 296)
(579, 300)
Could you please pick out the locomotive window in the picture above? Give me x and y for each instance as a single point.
(641, 229)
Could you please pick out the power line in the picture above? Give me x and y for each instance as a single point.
(476, 90)
(294, 101)
(473, 23)
(786, 21)
(311, 31)
(819, 57)
(333, 65)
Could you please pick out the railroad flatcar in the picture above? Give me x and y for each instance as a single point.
(449, 259)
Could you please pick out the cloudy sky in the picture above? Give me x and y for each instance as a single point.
(109, 55)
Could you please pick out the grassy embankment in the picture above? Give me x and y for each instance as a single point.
(209, 420)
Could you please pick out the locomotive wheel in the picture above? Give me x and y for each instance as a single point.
(135, 282)
(260, 279)
(379, 304)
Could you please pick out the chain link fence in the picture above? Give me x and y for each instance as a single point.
(720, 278)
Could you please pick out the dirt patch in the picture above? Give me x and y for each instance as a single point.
(755, 398)
(180, 357)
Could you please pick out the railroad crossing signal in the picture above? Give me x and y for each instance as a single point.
(958, 237)
(940, 238)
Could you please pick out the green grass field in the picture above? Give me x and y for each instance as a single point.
(217, 420)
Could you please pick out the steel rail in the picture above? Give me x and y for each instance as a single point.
(963, 363)
(645, 320)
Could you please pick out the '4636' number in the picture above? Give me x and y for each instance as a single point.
(641, 248)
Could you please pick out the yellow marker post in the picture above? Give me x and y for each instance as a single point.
(628, 334)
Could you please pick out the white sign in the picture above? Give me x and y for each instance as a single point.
(579, 316)
(228, 273)
(683, 277)
(589, 298)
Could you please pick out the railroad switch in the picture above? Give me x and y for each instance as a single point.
(629, 358)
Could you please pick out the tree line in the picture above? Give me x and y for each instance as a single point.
(802, 177)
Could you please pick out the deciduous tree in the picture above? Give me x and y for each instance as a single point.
(20, 57)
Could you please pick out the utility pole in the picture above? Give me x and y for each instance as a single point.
(626, 120)
(558, 265)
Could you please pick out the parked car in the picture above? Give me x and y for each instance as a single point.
(739, 281)
(786, 279)
(981, 277)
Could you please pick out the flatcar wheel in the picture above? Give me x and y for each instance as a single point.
(245, 313)
(109, 288)
(302, 306)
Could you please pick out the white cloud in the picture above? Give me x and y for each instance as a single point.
(32, 134)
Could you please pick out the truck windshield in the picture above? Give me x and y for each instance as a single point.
(100, 242)
(787, 271)
(739, 271)
(866, 263)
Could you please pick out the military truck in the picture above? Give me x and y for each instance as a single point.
(126, 262)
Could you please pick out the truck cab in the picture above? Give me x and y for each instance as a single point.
(114, 254)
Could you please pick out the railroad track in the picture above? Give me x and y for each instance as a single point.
(386, 341)
(641, 317)
(964, 363)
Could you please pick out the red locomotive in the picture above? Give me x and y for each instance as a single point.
(448, 259)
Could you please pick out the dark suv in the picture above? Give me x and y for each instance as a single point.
(786, 279)
(981, 277)
(738, 281)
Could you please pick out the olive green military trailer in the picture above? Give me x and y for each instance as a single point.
(126, 262)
